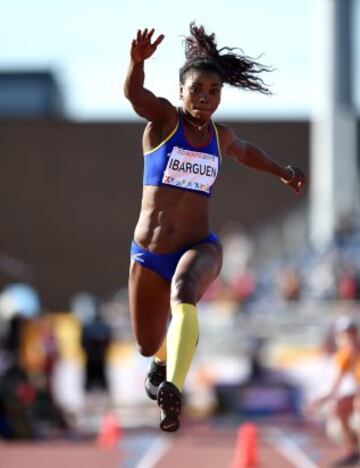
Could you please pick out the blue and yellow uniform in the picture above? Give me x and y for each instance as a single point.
(178, 164)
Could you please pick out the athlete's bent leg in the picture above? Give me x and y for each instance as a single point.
(343, 410)
(197, 268)
(149, 300)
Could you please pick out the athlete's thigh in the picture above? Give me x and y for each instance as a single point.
(345, 405)
(149, 300)
(201, 265)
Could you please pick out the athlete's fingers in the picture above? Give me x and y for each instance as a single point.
(158, 40)
(151, 32)
(138, 35)
(144, 34)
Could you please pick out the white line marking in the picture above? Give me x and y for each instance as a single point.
(288, 448)
(156, 451)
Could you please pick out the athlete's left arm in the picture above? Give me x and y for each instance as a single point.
(254, 157)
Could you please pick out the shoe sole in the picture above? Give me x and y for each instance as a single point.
(169, 420)
(169, 424)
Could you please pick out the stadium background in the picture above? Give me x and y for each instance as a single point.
(70, 188)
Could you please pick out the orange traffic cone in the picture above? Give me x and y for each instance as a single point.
(110, 431)
(246, 451)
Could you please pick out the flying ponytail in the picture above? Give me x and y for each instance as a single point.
(235, 69)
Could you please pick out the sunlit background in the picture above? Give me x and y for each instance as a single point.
(70, 187)
(86, 43)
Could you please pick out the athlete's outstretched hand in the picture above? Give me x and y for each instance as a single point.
(141, 47)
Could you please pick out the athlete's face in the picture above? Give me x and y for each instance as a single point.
(201, 93)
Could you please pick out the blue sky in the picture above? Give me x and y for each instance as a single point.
(86, 42)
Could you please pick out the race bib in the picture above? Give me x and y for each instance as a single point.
(191, 170)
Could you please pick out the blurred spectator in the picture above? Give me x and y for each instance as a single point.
(343, 406)
(12, 339)
(38, 351)
(68, 381)
(27, 408)
(17, 396)
(96, 339)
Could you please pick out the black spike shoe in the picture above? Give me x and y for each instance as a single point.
(155, 376)
(169, 401)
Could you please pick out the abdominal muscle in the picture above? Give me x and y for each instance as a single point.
(171, 218)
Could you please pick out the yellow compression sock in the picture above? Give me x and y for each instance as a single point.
(181, 342)
(160, 355)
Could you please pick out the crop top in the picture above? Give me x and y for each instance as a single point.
(176, 163)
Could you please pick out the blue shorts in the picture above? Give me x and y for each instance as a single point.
(165, 264)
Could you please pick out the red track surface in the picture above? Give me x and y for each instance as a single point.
(192, 447)
(60, 455)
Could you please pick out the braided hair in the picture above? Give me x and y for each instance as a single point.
(233, 68)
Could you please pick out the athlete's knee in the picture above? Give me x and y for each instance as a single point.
(148, 348)
(183, 288)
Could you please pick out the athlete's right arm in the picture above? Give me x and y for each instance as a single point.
(144, 102)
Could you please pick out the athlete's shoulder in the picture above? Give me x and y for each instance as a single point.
(226, 136)
(224, 131)
(158, 132)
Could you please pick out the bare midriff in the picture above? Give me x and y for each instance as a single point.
(171, 218)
